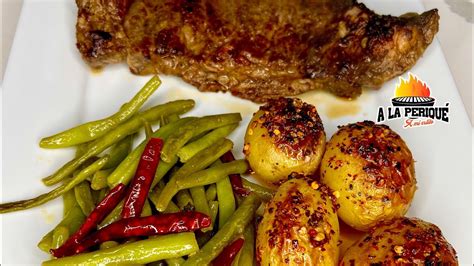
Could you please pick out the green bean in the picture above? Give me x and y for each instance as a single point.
(200, 203)
(99, 179)
(175, 261)
(168, 119)
(69, 201)
(236, 226)
(101, 194)
(81, 149)
(30, 203)
(238, 199)
(116, 213)
(184, 200)
(172, 118)
(172, 207)
(163, 121)
(144, 251)
(212, 174)
(146, 211)
(117, 134)
(199, 161)
(108, 244)
(235, 262)
(154, 195)
(225, 196)
(198, 136)
(261, 210)
(95, 196)
(264, 193)
(188, 151)
(246, 257)
(161, 184)
(125, 171)
(72, 221)
(46, 242)
(113, 216)
(211, 192)
(162, 170)
(60, 235)
(84, 197)
(148, 129)
(214, 206)
(119, 151)
(95, 129)
(179, 138)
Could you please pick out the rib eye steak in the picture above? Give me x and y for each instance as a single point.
(255, 49)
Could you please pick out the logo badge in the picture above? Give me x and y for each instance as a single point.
(414, 103)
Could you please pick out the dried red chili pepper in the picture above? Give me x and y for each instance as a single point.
(143, 226)
(228, 253)
(235, 179)
(104, 207)
(138, 191)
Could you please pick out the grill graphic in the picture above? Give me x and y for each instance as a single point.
(413, 101)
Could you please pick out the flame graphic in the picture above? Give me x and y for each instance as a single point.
(412, 87)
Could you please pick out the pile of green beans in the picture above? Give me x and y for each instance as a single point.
(120, 132)
(95, 129)
(177, 140)
(189, 176)
(138, 252)
(70, 184)
(230, 231)
(125, 170)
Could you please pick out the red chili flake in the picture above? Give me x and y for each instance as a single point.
(294, 125)
(380, 147)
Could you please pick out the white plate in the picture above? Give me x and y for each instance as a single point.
(47, 88)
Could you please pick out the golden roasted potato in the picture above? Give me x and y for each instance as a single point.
(371, 170)
(402, 241)
(286, 135)
(299, 226)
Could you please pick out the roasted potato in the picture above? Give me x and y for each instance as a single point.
(402, 241)
(286, 135)
(299, 226)
(371, 169)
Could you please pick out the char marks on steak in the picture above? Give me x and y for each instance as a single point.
(255, 49)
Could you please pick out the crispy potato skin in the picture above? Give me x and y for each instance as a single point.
(285, 136)
(299, 227)
(402, 241)
(372, 171)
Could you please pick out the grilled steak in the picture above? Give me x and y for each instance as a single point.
(255, 49)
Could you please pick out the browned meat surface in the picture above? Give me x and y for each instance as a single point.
(255, 49)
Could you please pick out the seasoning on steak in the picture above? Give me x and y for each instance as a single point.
(257, 50)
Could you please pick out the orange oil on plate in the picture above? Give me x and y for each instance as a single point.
(332, 106)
